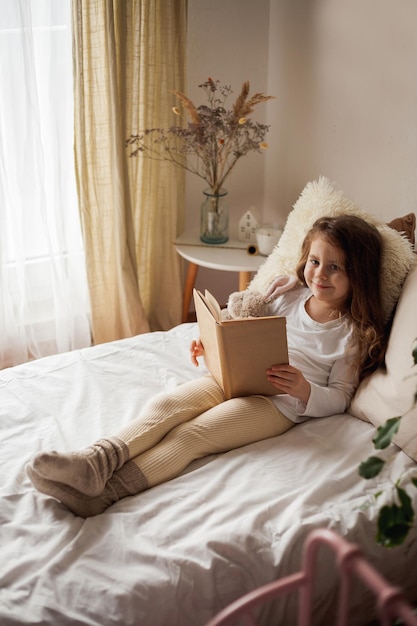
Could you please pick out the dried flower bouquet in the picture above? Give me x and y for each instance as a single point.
(213, 139)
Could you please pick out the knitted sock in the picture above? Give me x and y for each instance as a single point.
(128, 481)
(86, 471)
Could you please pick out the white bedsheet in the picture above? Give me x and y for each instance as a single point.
(175, 555)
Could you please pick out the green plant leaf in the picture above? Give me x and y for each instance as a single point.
(406, 504)
(371, 467)
(392, 529)
(394, 521)
(414, 481)
(385, 433)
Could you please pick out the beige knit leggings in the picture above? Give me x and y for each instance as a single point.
(194, 421)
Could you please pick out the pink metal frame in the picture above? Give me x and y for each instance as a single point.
(390, 601)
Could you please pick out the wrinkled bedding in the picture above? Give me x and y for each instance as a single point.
(178, 553)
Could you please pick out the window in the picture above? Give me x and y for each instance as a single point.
(43, 287)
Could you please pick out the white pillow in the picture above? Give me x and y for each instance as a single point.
(320, 199)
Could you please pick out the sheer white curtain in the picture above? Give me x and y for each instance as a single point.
(43, 287)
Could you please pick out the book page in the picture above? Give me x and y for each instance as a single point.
(209, 336)
(213, 305)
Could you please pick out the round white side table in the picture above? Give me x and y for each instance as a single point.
(231, 256)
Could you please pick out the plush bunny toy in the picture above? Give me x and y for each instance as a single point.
(250, 303)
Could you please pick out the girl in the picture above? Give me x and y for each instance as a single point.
(335, 337)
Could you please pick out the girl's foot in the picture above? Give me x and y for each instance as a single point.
(86, 471)
(128, 481)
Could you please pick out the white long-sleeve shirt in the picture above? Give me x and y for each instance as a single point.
(319, 351)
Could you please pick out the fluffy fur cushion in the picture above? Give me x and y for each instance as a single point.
(389, 391)
(320, 198)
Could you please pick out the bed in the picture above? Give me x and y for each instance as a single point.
(178, 553)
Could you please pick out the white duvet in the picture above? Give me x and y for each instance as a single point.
(177, 554)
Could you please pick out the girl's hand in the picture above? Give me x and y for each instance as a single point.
(289, 380)
(196, 349)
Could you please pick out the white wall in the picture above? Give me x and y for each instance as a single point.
(291, 79)
(345, 76)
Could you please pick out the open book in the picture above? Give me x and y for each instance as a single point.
(238, 352)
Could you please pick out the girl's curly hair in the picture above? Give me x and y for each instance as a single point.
(362, 245)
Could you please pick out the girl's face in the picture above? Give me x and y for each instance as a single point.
(325, 273)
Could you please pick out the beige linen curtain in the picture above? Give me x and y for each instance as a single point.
(128, 55)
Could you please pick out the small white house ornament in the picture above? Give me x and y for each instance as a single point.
(247, 226)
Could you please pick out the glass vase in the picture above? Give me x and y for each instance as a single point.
(214, 225)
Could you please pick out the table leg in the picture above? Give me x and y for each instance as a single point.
(188, 289)
(244, 280)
